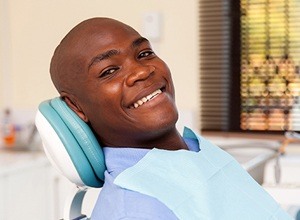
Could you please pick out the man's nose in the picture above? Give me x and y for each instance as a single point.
(139, 73)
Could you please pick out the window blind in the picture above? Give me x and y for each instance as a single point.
(215, 58)
(270, 59)
(250, 65)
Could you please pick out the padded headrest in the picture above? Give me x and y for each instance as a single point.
(70, 144)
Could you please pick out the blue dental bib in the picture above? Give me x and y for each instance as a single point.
(209, 184)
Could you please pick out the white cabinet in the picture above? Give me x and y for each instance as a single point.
(29, 187)
(24, 194)
(59, 189)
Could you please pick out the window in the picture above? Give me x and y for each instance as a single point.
(250, 58)
(270, 76)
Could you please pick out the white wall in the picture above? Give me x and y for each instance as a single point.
(31, 30)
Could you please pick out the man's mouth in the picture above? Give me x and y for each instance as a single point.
(147, 98)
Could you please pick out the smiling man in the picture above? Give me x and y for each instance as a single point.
(110, 77)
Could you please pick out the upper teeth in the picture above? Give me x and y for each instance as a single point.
(146, 98)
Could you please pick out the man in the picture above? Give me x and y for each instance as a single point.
(108, 74)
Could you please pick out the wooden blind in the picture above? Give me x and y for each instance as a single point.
(215, 38)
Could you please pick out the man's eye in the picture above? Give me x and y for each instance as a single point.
(108, 72)
(146, 54)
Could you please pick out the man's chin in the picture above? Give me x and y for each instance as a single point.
(160, 122)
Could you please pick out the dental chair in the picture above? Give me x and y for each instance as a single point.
(73, 150)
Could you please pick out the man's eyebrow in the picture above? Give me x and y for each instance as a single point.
(139, 41)
(110, 53)
(103, 56)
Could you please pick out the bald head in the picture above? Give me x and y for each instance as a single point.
(102, 70)
(68, 64)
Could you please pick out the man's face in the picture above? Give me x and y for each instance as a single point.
(126, 91)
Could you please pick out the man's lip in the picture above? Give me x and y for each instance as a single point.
(146, 92)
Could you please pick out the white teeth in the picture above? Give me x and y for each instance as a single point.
(146, 98)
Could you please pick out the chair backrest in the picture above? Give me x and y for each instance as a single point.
(70, 144)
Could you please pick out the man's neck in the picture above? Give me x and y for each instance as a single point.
(170, 140)
(167, 140)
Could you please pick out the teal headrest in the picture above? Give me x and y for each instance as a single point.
(76, 137)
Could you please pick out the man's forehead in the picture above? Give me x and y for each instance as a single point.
(79, 45)
(96, 34)
(98, 26)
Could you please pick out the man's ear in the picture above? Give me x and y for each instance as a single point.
(71, 102)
